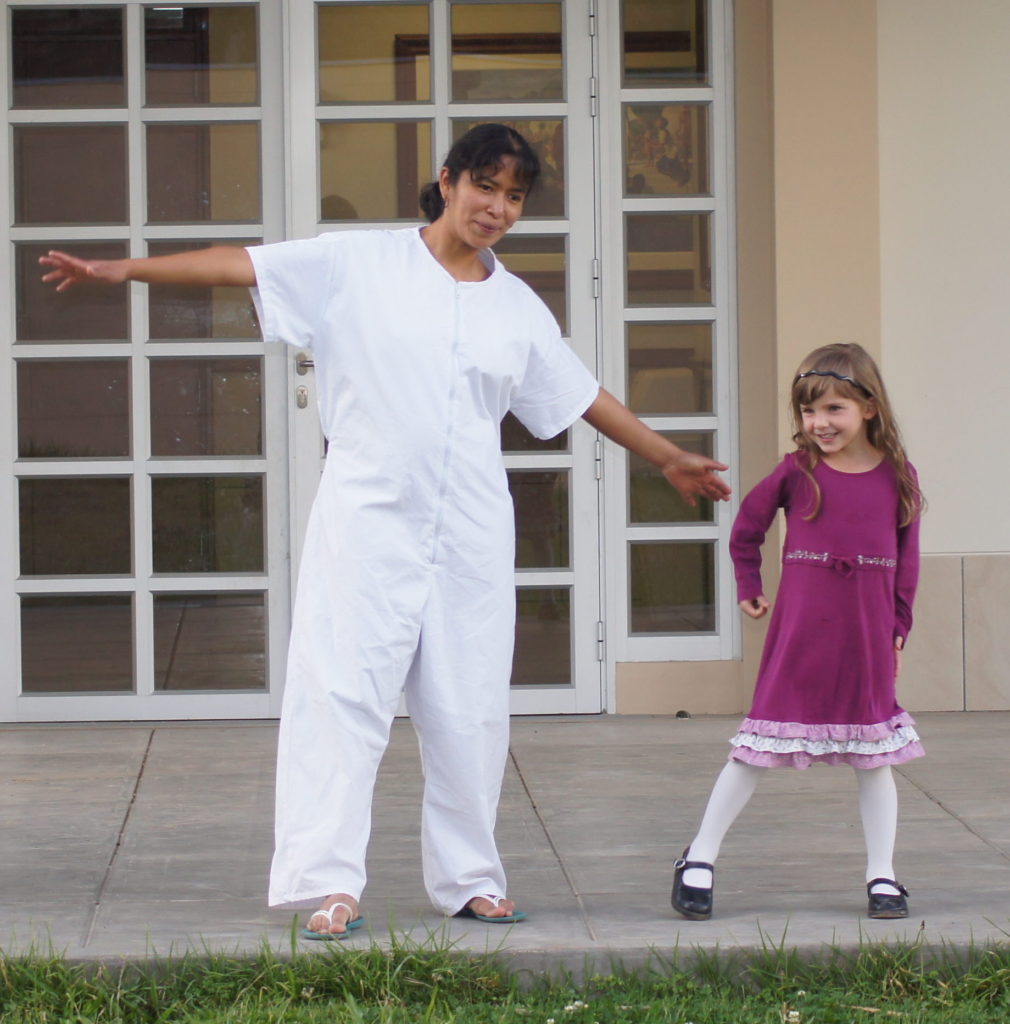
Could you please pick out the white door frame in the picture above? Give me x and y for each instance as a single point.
(145, 703)
(724, 642)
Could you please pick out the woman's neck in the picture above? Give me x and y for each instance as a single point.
(459, 260)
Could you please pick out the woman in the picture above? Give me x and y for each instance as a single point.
(422, 342)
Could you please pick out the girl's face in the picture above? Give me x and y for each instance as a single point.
(836, 424)
(480, 209)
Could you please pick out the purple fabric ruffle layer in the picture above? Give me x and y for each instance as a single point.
(820, 733)
(838, 733)
(801, 759)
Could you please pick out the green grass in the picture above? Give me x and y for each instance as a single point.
(908, 984)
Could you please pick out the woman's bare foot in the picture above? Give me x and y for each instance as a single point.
(333, 916)
(483, 906)
(489, 907)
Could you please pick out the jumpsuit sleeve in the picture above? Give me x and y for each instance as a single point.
(757, 511)
(556, 388)
(906, 577)
(293, 282)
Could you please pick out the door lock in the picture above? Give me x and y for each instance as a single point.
(301, 396)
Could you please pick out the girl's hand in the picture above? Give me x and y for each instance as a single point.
(68, 270)
(694, 476)
(756, 607)
(899, 643)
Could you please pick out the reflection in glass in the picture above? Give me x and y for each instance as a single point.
(652, 500)
(669, 258)
(77, 644)
(373, 170)
(81, 314)
(540, 261)
(73, 408)
(203, 172)
(51, 66)
(177, 313)
(206, 406)
(672, 587)
(209, 642)
(94, 193)
(665, 43)
(666, 149)
(506, 51)
(548, 141)
(669, 368)
(207, 523)
(365, 56)
(516, 438)
(75, 526)
(200, 55)
(542, 518)
(543, 649)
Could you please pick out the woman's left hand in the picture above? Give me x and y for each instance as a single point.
(899, 643)
(694, 476)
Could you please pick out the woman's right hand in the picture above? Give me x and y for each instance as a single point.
(756, 607)
(67, 270)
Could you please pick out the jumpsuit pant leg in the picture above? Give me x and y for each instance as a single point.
(458, 698)
(346, 672)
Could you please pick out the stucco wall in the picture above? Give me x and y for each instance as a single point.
(945, 209)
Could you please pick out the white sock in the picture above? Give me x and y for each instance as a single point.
(878, 807)
(733, 788)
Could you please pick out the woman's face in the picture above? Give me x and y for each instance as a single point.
(481, 207)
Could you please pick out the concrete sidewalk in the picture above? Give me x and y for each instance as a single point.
(128, 840)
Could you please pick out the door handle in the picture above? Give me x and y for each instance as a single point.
(303, 364)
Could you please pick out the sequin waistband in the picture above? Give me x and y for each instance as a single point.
(844, 564)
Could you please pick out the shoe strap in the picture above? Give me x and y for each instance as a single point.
(885, 881)
(688, 864)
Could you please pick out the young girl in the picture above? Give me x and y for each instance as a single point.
(825, 689)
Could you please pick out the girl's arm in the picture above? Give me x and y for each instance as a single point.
(757, 511)
(691, 474)
(906, 580)
(218, 265)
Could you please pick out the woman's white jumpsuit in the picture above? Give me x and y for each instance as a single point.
(407, 574)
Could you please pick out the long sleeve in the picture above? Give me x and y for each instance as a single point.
(757, 511)
(906, 577)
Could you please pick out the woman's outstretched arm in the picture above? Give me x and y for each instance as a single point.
(218, 265)
(694, 476)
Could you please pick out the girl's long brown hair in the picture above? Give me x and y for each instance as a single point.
(864, 386)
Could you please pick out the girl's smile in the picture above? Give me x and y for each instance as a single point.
(837, 425)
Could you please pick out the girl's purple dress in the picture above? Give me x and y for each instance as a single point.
(825, 690)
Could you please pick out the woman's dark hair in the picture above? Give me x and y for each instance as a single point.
(484, 148)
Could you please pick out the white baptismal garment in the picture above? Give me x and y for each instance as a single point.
(407, 573)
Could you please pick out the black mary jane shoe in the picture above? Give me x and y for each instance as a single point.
(691, 901)
(885, 905)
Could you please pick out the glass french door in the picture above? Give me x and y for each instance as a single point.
(145, 464)
(381, 92)
(160, 460)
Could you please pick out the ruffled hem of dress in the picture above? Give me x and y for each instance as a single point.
(803, 759)
(799, 745)
(828, 732)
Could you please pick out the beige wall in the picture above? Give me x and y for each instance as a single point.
(826, 183)
(945, 209)
(876, 211)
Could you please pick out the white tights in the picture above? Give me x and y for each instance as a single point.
(878, 808)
